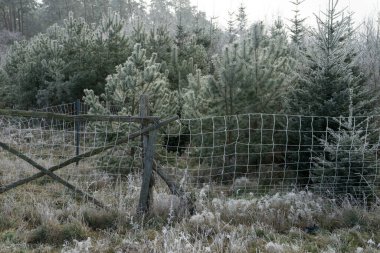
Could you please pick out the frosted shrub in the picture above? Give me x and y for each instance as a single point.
(79, 247)
(205, 218)
(205, 222)
(291, 209)
(242, 184)
(280, 211)
(165, 204)
(272, 247)
(176, 240)
(239, 210)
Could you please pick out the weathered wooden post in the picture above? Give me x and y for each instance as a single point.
(77, 128)
(148, 141)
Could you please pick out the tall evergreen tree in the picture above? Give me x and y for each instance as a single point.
(297, 28)
(241, 18)
(17, 16)
(160, 13)
(369, 46)
(323, 87)
(250, 76)
(231, 27)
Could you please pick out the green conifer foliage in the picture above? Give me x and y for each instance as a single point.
(161, 43)
(56, 67)
(348, 165)
(4, 89)
(322, 88)
(251, 76)
(196, 102)
(297, 27)
(242, 20)
(138, 75)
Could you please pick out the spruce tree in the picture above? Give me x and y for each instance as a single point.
(297, 28)
(322, 88)
(231, 30)
(348, 165)
(241, 18)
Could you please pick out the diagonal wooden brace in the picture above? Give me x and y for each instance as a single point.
(51, 174)
(91, 153)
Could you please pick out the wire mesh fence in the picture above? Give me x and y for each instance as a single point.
(263, 153)
(51, 144)
(237, 155)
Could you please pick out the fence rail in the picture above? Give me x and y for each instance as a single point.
(75, 108)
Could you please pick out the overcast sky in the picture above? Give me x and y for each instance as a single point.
(267, 10)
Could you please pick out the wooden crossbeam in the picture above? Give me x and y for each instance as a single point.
(72, 118)
(51, 174)
(91, 153)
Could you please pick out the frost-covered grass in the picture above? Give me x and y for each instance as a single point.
(45, 217)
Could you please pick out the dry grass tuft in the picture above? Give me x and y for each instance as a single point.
(100, 219)
(56, 234)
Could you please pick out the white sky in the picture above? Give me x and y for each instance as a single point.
(268, 10)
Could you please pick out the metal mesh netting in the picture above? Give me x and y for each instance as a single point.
(251, 153)
(263, 153)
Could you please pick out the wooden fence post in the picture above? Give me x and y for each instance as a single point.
(148, 141)
(77, 128)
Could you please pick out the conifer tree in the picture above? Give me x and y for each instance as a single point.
(323, 86)
(4, 89)
(159, 41)
(241, 83)
(138, 75)
(330, 70)
(369, 46)
(348, 164)
(55, 67)
(199, 31)
(297, 28)
(242, 20)
(196, 97)
(231, 27)
(265, 86)
(160, 13)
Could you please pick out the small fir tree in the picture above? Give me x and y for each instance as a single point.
(348, 165)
